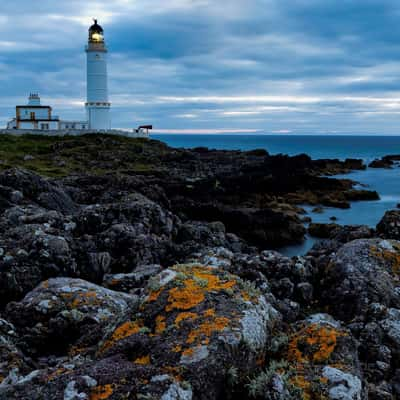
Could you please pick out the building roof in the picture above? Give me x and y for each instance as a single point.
(32, 106)
(96, 28)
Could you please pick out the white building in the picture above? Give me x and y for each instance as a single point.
(35, 116)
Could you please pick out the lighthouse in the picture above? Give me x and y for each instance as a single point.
(97, 104)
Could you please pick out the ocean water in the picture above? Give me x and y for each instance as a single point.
(316, 146)
(385, 181)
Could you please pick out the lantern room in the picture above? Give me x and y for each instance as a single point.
(96, 33)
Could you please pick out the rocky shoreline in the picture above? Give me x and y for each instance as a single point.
(131, 270)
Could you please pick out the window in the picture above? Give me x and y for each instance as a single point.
(44, 127)
(32, 115)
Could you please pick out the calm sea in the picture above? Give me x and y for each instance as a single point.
(385, 182)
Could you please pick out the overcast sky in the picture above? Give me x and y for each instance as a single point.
(301, 66)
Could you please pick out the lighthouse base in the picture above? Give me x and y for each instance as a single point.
(98, 117)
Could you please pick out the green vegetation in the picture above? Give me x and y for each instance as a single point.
(262, 387)
(56, 156)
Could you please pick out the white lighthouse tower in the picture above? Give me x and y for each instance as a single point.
(97, 105)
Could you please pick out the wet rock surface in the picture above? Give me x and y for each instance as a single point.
(389, 226)
(135, 280)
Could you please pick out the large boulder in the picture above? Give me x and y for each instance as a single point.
(319, 361)
(64, 314)
(196, 329)
(135, 280)
(134, 231)
(389, 226)
(194, 317)
(362, 272)
(37, 189)
(35, 245)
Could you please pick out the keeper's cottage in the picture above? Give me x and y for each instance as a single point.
(35, 116)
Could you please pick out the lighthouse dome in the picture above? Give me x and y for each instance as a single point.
(96, 33)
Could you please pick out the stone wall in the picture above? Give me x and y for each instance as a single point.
(71, 132)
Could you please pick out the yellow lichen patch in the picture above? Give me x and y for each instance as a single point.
(160, 325)
(206, 329)
(84, 299)
(213, 281)
(245, 296)
(125, 330)
(185, 298)
(56, 373)
(313, 343)
(198, 282)
(102, 392)
(145, 360)
(176, 372)
(177, 349)
(184, 316)
(154, 294)
(324, 380)
(392, 257)
(188, 352)
(209, 313)
(302, 383)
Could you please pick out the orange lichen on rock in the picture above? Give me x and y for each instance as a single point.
(184, 316)
(206, 329)
(245, 295)
(160, 325)
(56, 373)
(209, 313)
(85, 298)
(313, 343)
(302, 383)
(145, 360)
(393, 257)
(185, 298)
(188, 352)
(125, 330)
(200, 280)
(174, 371)
(154, 294)
(177, 349)
(102, 392)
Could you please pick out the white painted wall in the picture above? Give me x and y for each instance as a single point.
(98, 117)
(97, 106)
(40, 113)
(74, 125)
(97, 86)
(40, 125)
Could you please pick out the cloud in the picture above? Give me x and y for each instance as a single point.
(281, 66)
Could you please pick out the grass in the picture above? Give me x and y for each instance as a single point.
(96, 154)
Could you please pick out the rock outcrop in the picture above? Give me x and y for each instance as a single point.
(389, 226)
(134, 270)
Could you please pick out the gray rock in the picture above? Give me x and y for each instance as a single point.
(68, 311)
(343, 386)
(361, 273)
